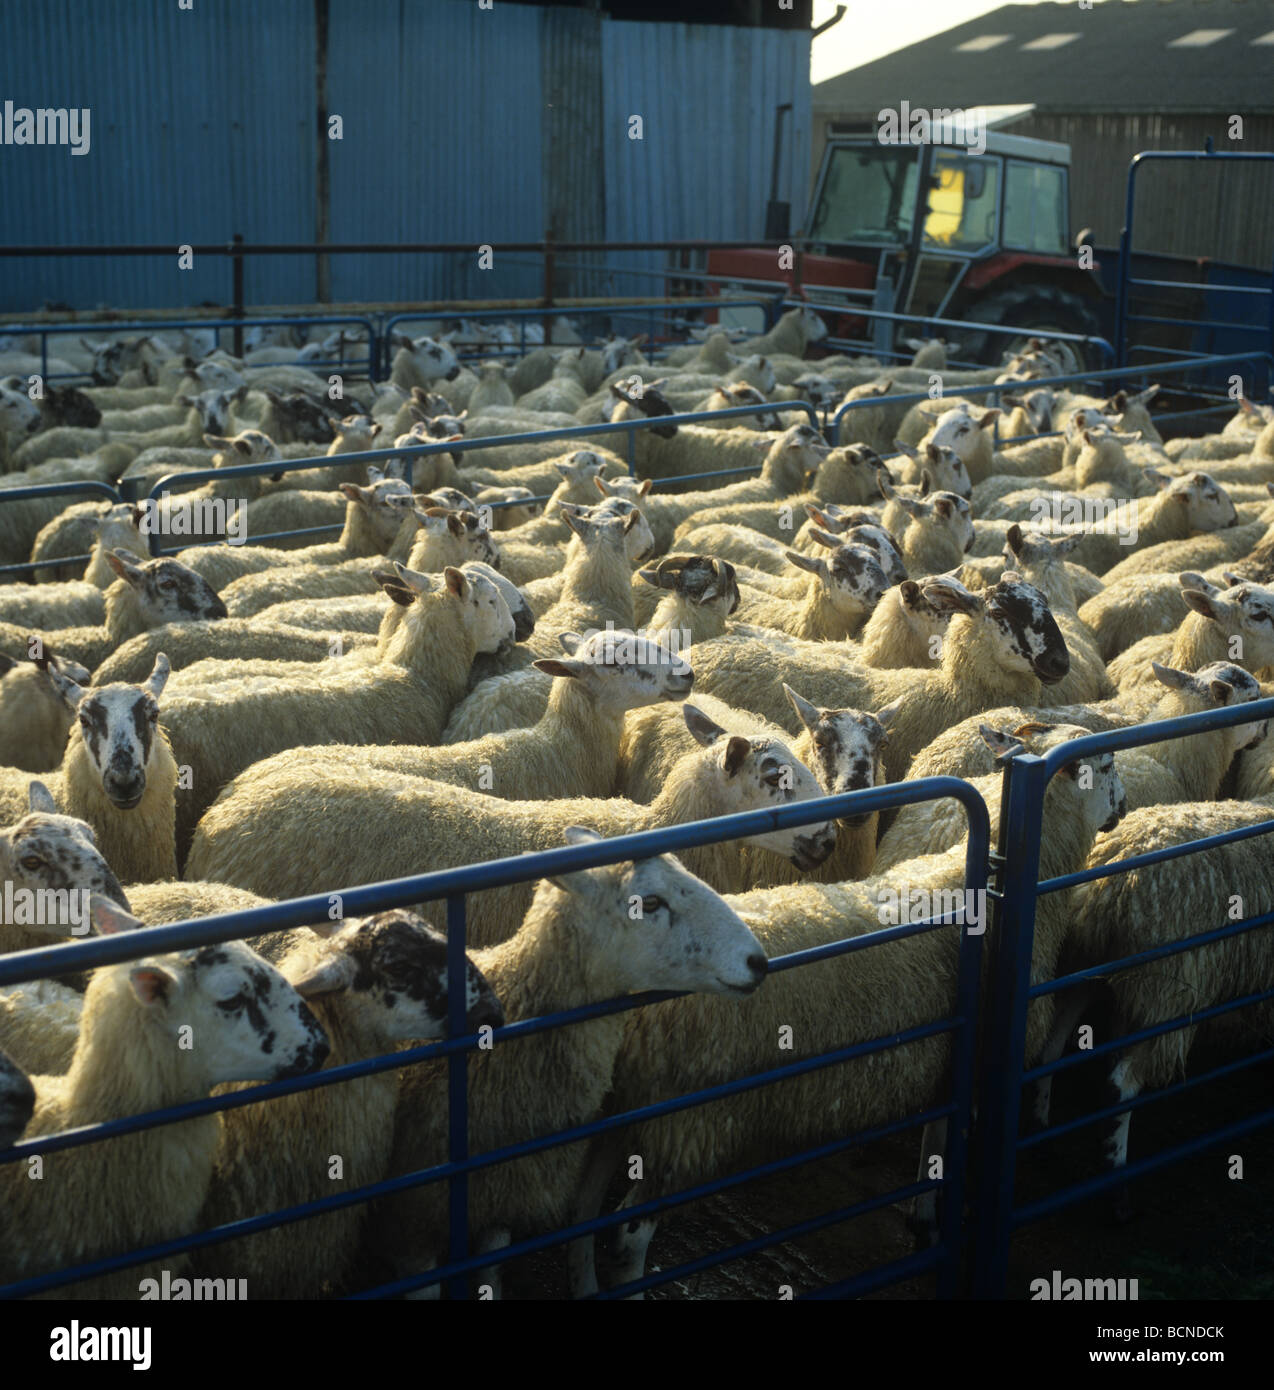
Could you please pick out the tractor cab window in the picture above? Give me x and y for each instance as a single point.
(963, 202)
(868, 195)
(1035, 208)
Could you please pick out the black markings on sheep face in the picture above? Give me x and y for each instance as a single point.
(247, 990)
(1022, 614)
(45, 851)
(65, 405)
(401, 962)
(857, 574)
(117, 725)
(847, 748)
(171, 593)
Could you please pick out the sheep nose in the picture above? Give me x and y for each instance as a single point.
(1052, 666)
(125, 791)
(486, 1013)
(453, 373)
(758, 967)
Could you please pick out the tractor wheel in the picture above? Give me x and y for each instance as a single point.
(1038, 310)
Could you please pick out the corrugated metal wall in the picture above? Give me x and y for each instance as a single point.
(201, 126)
(459, 124)
(709, 92)
(1182, 209)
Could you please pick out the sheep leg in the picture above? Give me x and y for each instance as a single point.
(581, 1256)
(1065, 1020)
(924, 1212)
(632, 1240)
(404, 1268)
(1123, 1084)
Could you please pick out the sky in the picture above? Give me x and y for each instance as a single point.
(872, 28)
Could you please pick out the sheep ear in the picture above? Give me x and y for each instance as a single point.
(943, 506)
(457, 581)
(374, 475)
(158, 677)
(806, 562)
(1030, 729)
(704, 730)
(1232, 579)
(1208, 605)
(1001, 744)
(108, 918)
(988, 417)
(413, 580)
(950, 596)
(908, 449)
(390, 584)
(1160, 480)
(805, 712)
(40, 799)
(598, 483)
(1066, 544)
(122, 563)
(1222, 691)
(70, 691)
(152, 984)
(825, 538)
(218, 441)
(910, 590)
(926, 482)
(551, 666)
(1015, 538)
(736, 751)
(1189, 580)
(332, 976)
(890, 712)
(646, 485)
(570, 642)
(354, 492)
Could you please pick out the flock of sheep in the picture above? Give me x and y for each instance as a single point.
(469, 673)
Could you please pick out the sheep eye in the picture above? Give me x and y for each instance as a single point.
(651, 905)
(234, 1003)
(32, 861)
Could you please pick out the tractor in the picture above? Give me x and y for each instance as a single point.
(988, 242)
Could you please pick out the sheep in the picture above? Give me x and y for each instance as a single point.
(954, 426)
(945, 468)
(94, 527)
(427, 360)
(371, 984)
(69, 604)
(34, 721)
(493, 388)
(571, 752)
(117, 773)
(938, 534)
(373, 518)
(1128, 914)
(1041, 561)
(792, 334)
(578, 943)
(21, 522)
(1002, 645)
(735, 394)
(511, 506)
(44, 851)
(254, 1027)
(1234, 624)
(1182, 506)
(145, 596)
(17, 1101)
(847, 999)
(717, 775)
(842, 592)
(222, 720)
(905, 629)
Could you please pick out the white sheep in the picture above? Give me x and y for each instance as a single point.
(443, 826)
(34, 720)
(834, 1003)
(578, 943)
(128, 1060)
(371, 984)
(1002, 645)
(842, 592)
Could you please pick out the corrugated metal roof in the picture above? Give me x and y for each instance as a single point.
(1123, 60)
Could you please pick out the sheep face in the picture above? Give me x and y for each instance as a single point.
(653, 925)
(852, 577)
(617, 353)
(1217, 686)
(821, 392)
(395, 966)
(1024, 630)
(356, 432)
(382, 503)
(19, 414)
(1036, 405)
(943, 465)
(66, 405)
(214, 407)
(792, 457)
(465, 527)
(961, 432)
(621, 670)
(642, 401)
(112, 359)
(250, 446)
(166, 591)
(582, 465)
(726, 397)
(1207, 504)
(254, 1025)
(699, 578)
(759, 773)
(117, 530)
(118, 726)
(435, 359)
(815, 328)
(1246, 614)
(848, 744)
(519, 607)
(48, 852)
(301, 418)
(639, 539)
(1092, 785)
(17, 1101)
(216, 376)
(613, 523)
(486, 614)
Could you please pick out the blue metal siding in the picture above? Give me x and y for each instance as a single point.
(442, 105)
(706, 95)
(457, 126)
(201, 126)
